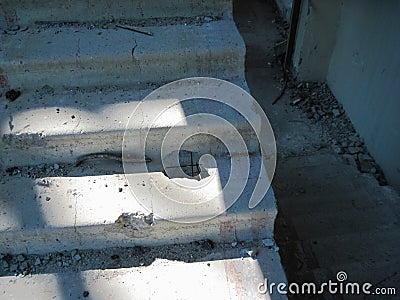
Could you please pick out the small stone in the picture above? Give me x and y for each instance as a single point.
(338, 150)
(76, 257)
(364, 166)
(38, 261)
(234, 244)
(336, 113)
(276, 248)
(268, 242)
(46, 257)
(56, 166)
(85, 294)
(207, 19)
(20, 258)
(354, 138)
(296, 101)
(48, 198)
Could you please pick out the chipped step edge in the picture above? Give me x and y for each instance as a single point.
(228, 228)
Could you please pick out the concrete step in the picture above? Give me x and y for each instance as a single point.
(217, 276)
(59, 127)
(25, 12)
(67, 208)
(77, 56)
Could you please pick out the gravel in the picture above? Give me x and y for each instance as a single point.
(319, 104)
(112, 258)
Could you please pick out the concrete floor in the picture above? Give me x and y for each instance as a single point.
(331, 217)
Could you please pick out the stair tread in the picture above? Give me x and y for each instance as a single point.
(64, 125)
(79, 56)
(219, 277)
(38, 211)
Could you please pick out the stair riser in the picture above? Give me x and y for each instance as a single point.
(252, 226)
(26, 150)
(25, 12)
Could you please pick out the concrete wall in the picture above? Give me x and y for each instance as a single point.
(315, 39)
(364, 75)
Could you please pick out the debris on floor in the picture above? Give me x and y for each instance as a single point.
(320, 105)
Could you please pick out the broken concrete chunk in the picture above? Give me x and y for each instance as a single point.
(336, 112)
(76, 257)
(268, 242)
(135, 221)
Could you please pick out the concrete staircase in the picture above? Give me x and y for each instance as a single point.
(80, 77)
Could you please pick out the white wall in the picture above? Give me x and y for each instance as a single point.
(364, 75)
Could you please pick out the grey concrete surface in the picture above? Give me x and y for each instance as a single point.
(74, 56)
(315, 39)
(285, 7)
(82, 211)
(25, 12)
(80, 81)
(347, 44)
(212, 277)
(364, 75)
(79, 122)
(331, 217)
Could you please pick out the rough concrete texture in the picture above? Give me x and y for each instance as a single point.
(331, 216)
(25, 12)
(209, 271)
(363, 74)
(83, 122)
(83, 209)
(345, 44)
(68, 88)
(76, 56)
